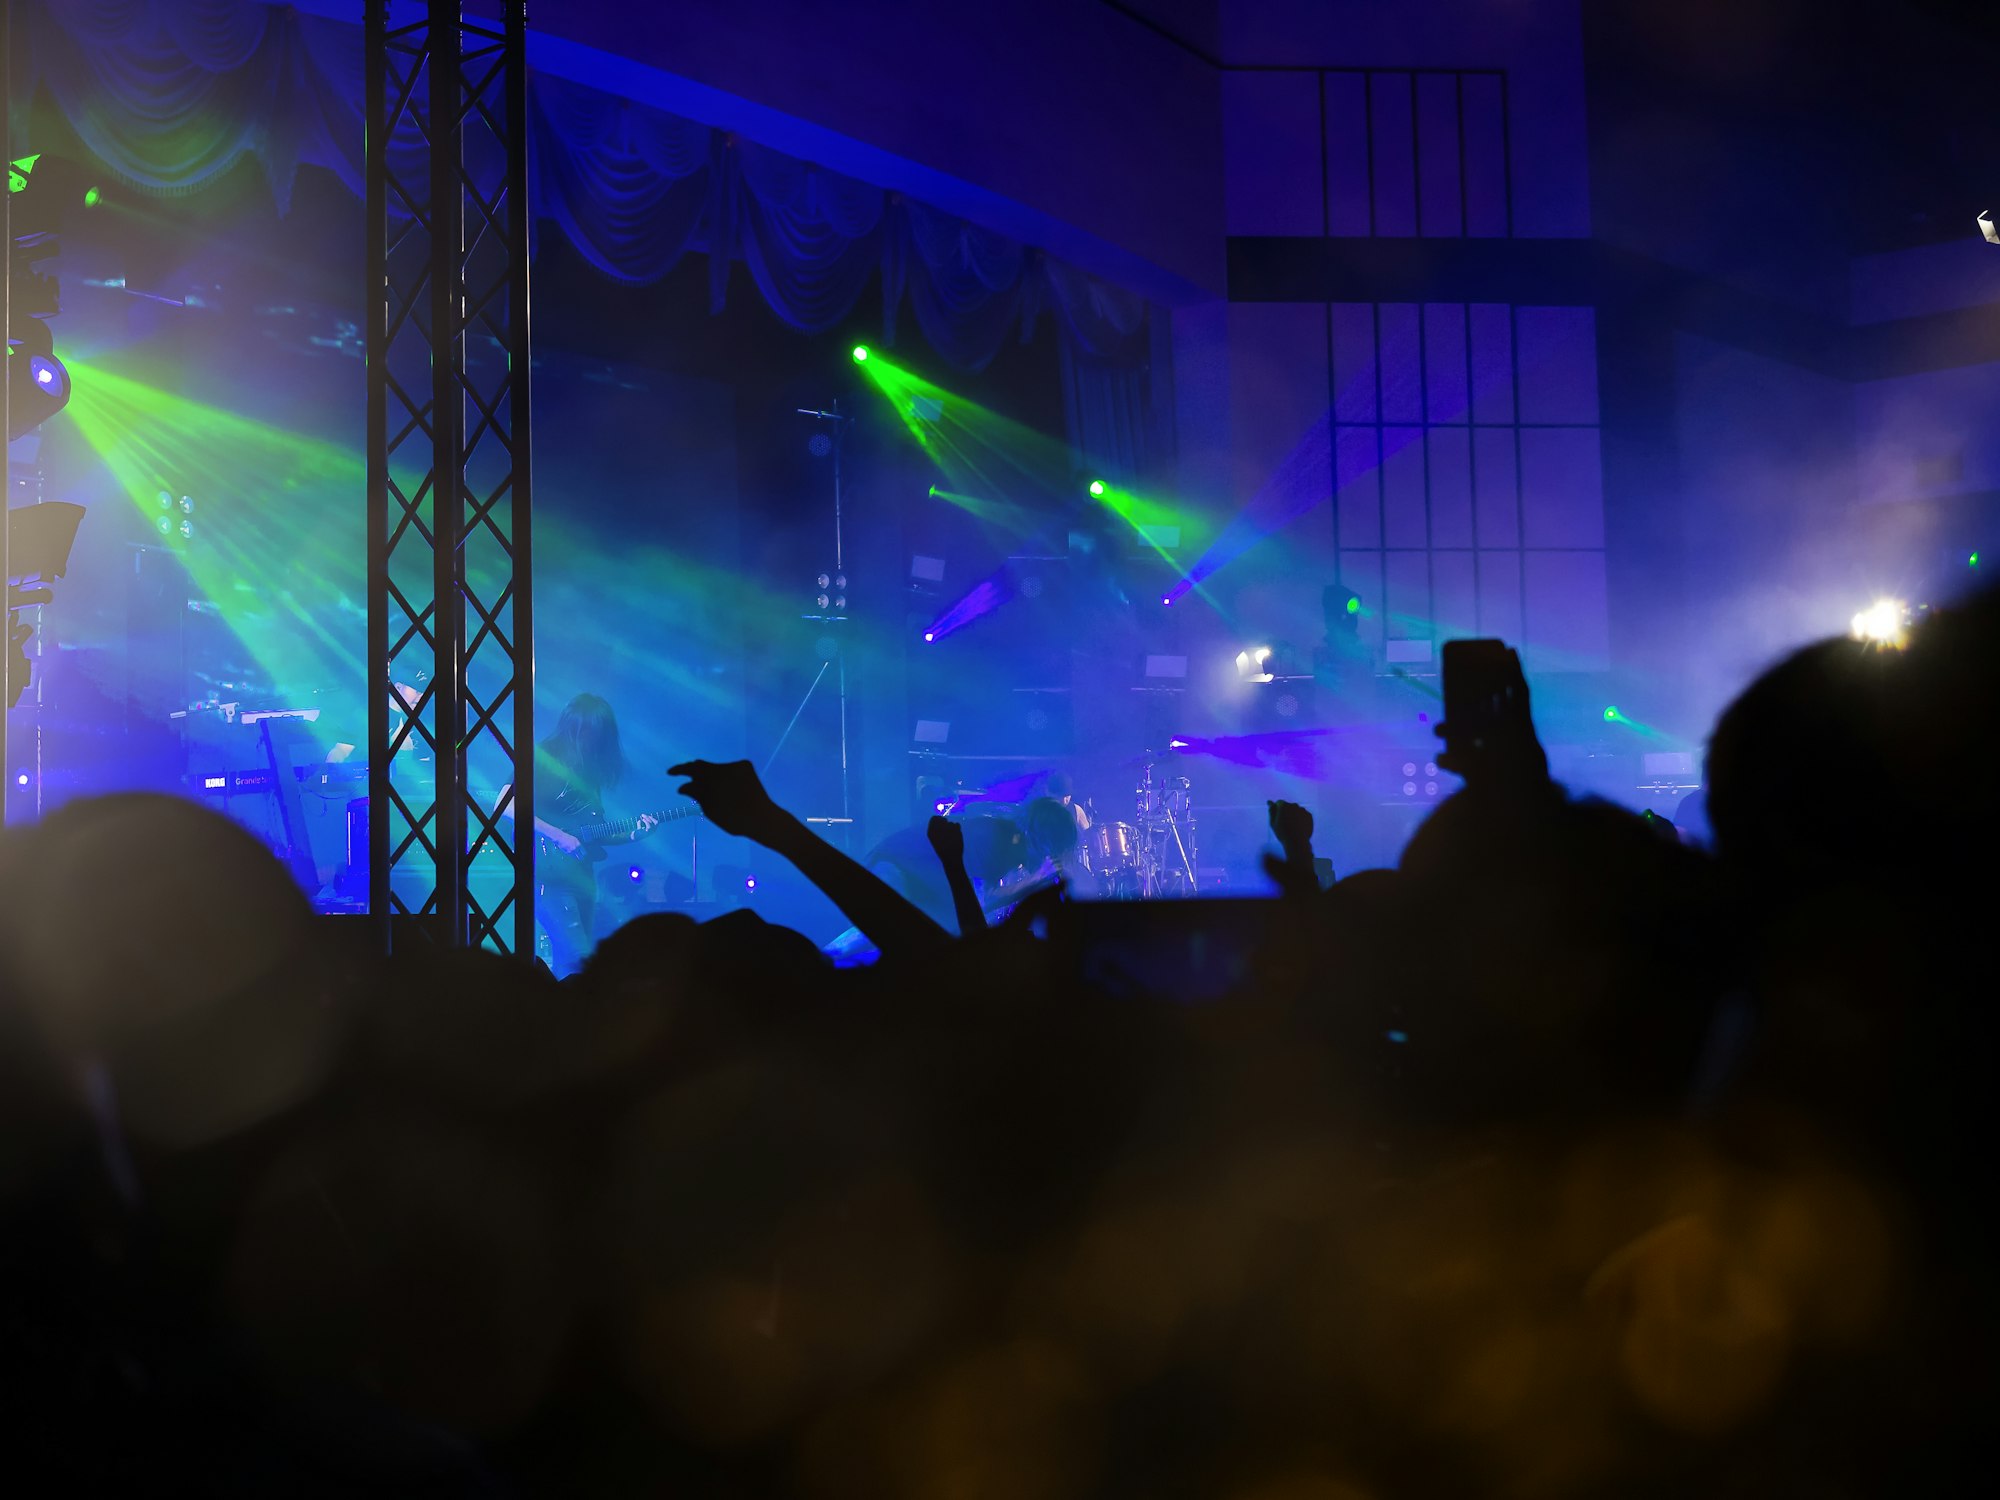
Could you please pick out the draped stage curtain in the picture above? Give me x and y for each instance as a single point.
(170, 94)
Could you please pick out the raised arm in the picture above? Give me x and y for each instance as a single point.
(948, 839)
(734, 800)
(1294, 873)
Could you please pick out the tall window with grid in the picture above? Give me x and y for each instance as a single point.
(1468, 491)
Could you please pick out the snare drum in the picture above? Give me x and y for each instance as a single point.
(1111, 847)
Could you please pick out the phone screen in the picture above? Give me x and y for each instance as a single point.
(1478, 681)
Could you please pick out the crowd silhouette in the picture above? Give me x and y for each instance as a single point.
(1564, 1159)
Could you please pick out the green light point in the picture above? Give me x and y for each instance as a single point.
(1611, 715)
(861, 354)
(1097, 487)
(1354, 606)
(92, 198)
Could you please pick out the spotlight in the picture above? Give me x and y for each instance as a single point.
(1354, 606)
(635, 874)
(187, 506)
(861, 354)
(1988, 228)
(840, 580)
(930, 635)
(822, 580)
(1882, 622)
(750, 882)
(1097, 487)
(37, 390)
(1250, 664)
(166, 500)
(165, 525)
(1972, 561)
(1166, 601)
(187, 530)
(821, 600)
(840, 601)
(1611, 715)
(92, 197)
(22, 779)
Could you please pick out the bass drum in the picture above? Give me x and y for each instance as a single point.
(1109, 848)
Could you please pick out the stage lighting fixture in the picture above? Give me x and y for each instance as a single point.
(1972, 561)
(187, 506)
(1988, 228)
(819, 445)
(840, 580)
(22, 779)
(750, 883)
(840, 601)
(165, 525)
(1097, 487)
(1611, 715)
(930, 635)
(1354, 606)
(92, 197)
(187, 530)
(821, 600)
(1166, 601)
(861, 354)
(36, 391)
(635, 874)
(1250, 664)
(823, 580)
(1882, 622)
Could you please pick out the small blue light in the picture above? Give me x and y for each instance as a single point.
(930, 635)
(1167, 601)
(750, 884)
(1398, 1037)
(22, 779)
(636, 873)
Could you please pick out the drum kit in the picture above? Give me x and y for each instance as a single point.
(1153, 856)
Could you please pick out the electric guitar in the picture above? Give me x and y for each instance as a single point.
(576, 873)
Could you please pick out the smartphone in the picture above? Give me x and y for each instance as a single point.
(1479, 685)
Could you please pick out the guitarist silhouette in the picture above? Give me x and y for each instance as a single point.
(575, 766)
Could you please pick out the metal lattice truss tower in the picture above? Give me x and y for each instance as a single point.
(450, 638)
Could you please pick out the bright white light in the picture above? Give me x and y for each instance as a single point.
(1250, 664)
(1881, 622)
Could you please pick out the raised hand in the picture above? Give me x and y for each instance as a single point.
(1291, 824)
(731, 797)
(948, 840)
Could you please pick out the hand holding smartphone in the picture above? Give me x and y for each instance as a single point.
(1488, 732)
